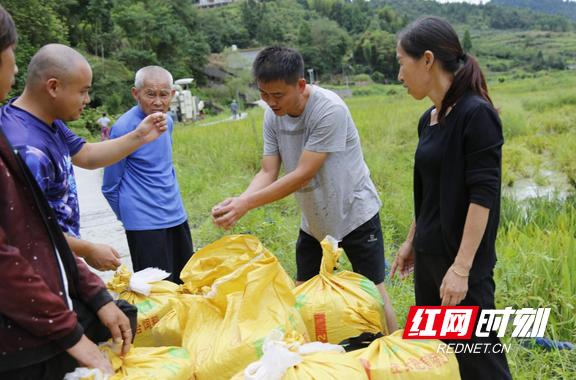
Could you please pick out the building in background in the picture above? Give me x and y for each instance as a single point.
(213, 3)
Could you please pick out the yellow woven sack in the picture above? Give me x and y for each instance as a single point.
(222, 343)
(339, 306)
(141, 363)
(222, 267)
(154, 363)
(168, 331)
(288, 359)
(391, 357)
(145, 290)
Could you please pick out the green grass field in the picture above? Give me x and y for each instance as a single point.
(537, 240)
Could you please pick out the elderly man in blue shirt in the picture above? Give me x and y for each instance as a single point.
(142, 189)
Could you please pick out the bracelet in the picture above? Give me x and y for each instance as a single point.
(459, 274)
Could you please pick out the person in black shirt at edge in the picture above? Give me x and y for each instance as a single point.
(457, 174)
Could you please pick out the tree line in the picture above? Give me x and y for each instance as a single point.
(335, 36)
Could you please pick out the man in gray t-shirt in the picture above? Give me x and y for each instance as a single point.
(309, 130)
(341, 196)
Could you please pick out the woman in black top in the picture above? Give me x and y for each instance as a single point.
(457, 176)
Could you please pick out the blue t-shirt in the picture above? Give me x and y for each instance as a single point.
(142, 188)
(47, 150)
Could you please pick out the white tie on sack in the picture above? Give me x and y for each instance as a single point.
(86, 373)
(278, 357)
(141, 280)
(332, 241)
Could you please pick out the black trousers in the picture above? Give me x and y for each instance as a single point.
(56, 367)
(429, 270)
(168, 249)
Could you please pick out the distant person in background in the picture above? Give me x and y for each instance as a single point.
(56, 91)
(173, 114)
(234, 109)
(53, 307)
(457, 178)
(142, 189)
(310, 132)
(104, 123)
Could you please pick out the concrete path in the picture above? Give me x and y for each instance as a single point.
(242, 115)
(98, 224)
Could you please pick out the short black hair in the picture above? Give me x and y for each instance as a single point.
(278, 63)
(8, 35)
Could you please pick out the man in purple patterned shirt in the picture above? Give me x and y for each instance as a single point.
(57, 86)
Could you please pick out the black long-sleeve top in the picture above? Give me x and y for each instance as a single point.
(467, 170)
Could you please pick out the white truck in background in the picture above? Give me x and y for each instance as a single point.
(184, 106)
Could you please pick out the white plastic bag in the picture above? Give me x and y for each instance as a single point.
(279, 356)
(140, 282)
(83, 373)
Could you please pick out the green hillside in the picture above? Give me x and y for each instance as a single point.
(557, 7)
(528, 51)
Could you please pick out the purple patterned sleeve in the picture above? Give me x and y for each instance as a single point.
(73, 141)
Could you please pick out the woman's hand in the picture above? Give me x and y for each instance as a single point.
(88, 355)
(454, 286)
(118, 324)
(404, 261)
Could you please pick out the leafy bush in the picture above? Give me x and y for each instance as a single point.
(378, 77)
(361, 78)
(498, 67)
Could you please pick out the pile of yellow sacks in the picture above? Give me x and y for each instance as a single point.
(238, 316)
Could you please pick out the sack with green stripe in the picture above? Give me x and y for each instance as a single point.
(337, 306)
(147, 290)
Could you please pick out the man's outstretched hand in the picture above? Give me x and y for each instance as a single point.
(152, 127)
(228, 212)
(102, 257)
